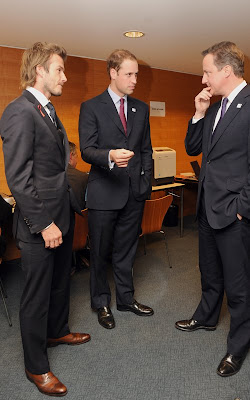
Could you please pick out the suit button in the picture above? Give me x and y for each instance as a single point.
(208, 162)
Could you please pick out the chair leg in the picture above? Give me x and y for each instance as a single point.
(166, 244)
(74, 258)
(2, 289)
(3, 294)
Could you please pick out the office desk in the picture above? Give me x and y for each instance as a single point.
(168, 188)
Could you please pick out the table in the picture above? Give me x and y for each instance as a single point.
(168, 188)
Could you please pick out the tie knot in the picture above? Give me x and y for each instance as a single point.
(50, 107)
(122, 101)
(223, 107)
(52, 112)
(224, 101)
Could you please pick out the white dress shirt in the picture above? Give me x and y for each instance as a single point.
(116, 100)
(41, 98)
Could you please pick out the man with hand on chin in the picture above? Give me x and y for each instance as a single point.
(115, 140)
(36, 154)
(222, 133)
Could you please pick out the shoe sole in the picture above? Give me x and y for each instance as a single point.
(137, 313)
(206, 328)
(47, 394)
(69, 344)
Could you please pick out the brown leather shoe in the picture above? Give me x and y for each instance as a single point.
(71, 339)
(47, 384)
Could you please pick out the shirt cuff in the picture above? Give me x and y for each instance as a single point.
(111, 163)
(195, 120)
(47, 227)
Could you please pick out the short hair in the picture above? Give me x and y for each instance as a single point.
(72, 147)
(117, 57)
(227, 53)
(38, 54)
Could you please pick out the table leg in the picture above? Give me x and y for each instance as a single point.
(181, 222)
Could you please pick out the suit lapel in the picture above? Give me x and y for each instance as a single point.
(43, 114)
(210, 126)
(130, 115)
(66, 150)
(111, 110)
(236, 106)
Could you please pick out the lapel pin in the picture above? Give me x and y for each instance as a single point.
(40, 109)
(239, 105)
(134, 109)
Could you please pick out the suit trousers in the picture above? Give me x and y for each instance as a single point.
(44, 308)
(114, 236)
(224, 261)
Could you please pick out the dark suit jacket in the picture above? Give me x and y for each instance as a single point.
(100, 131)
(35, 163)
(225, 169)
(78, 181)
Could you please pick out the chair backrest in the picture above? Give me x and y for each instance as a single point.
(81, 230)
(154, 213)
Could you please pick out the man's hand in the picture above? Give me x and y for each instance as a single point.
(202, 102)
(239, 217)
(121, 157)
(52, 236)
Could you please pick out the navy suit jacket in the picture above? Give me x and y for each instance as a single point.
(225, 169)
(35, 164)
(101, 130)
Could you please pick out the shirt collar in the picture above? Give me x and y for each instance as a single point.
(235, 92)
(115, 96)
(38, 95)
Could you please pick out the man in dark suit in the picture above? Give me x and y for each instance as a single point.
(36, 154)
(222, 133)
(115, 140)
(77, 179)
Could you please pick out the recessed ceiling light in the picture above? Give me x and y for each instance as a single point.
(134, 34)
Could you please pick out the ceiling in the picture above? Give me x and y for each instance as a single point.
(176, 31)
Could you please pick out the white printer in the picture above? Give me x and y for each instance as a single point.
(164, 165)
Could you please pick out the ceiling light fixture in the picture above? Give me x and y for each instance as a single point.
(134, 34)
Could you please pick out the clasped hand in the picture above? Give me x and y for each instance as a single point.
(121, 157)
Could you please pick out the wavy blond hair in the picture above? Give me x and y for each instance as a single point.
(38, 54)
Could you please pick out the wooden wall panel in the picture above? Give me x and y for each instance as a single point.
(9, 89)
(88, 78)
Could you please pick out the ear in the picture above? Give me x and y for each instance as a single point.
(40, 70)
(113, 73)
(228, 70)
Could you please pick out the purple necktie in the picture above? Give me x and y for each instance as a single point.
(223, 110)
(223, 107)
(122, 115)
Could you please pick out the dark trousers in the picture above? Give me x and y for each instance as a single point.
(224, 260)
(114, 236)
(44, 306)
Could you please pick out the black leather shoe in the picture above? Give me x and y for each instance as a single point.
(105, 317)
(230, 365)
(136, 308)
(191, 325)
